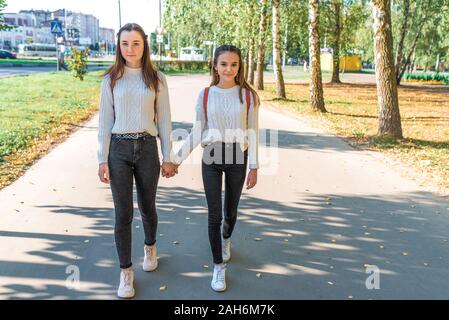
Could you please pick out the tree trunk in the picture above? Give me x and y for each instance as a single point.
(336, 42)
(412, 49)
(387, 93)
(246, 64)
(437, 64)
(250, 77)
(261, 54)
(400, 51)
(284, 56)
(424, 8)
(316, 83)
(280, 86)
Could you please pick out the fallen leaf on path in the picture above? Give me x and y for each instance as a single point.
(163, 288)
(257, 239)
(258, 275)
(176, 242)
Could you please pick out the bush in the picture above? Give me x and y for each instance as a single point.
(77, 62)
(178, 65)
(428, 77)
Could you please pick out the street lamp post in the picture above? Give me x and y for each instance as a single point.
(119, 15)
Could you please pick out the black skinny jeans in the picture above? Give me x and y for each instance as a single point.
(136, 158)
(232, 162)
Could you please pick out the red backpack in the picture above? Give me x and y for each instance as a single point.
(206, 96)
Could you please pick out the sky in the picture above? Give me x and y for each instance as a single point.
(143, 12)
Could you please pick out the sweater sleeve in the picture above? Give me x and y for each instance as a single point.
(195, 135)
(106, 120)
(164, 124)
(253, 135)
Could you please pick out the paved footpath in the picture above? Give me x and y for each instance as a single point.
(322, 213)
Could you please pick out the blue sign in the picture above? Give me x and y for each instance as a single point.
(56, 27)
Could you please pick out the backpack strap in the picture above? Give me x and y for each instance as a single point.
(248, 101)
(205, 97)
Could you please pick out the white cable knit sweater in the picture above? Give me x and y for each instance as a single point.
(225, 115)
(131, 110)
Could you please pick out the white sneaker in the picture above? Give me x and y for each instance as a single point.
(150, 259)
(218, 280)
(226, 249)
(126, 288)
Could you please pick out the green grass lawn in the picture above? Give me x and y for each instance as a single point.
(352, 113)
(38, 110)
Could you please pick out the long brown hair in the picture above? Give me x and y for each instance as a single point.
(149, 73)
(240, 78)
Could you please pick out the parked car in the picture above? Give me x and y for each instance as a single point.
(293, 61)
(7, 54)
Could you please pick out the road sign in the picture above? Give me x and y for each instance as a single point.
(56, 27)
(159, 38)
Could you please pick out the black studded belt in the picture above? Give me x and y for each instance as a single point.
(136, 135)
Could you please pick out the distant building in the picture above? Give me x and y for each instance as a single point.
(33, 26)
(87, 25)
(107, 39)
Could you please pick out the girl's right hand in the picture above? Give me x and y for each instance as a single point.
(103, 172)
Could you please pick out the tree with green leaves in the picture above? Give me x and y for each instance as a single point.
(389, 116)
(3, 25)
(316, 83)
(336, 6)
(263, 23)
(277, 66)
(415, 18)
(252, 30)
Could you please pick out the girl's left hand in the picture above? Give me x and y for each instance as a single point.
(251, 180)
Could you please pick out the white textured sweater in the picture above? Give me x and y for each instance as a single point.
(131, 110)
(226, 115)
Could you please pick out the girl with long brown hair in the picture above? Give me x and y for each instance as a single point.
(227, 127)
(134, 110)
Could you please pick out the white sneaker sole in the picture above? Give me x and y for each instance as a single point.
(148, 269)
(128, 295)
(218, 289)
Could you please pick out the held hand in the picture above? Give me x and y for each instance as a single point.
(169, 169)
(251, 180)
(103, 172)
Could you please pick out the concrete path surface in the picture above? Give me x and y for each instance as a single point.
(322, 215)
